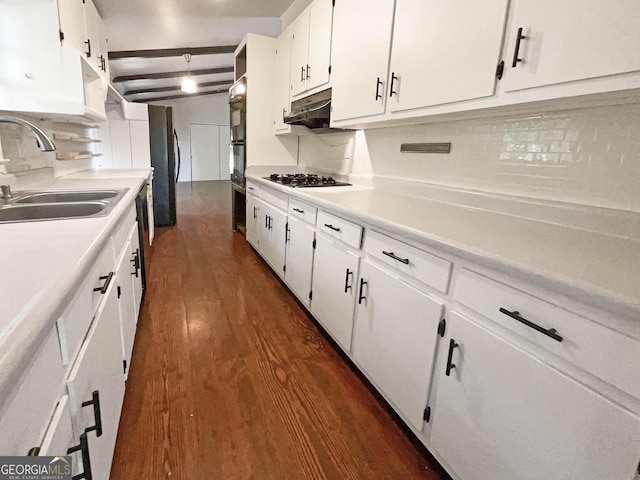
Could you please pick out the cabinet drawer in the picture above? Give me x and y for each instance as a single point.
(121, 234)
(607, 354)
(25, 420)
(418, 264)
(340, 229)
(277, 199)
(303, 211)
(253, 188)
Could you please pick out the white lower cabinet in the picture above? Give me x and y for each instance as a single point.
(96, 385)
(135, 269)
(395, 338)
(334, 288)
(272, 224)
(253, 212)
(500, 413)
(126, 303)
(299, 258)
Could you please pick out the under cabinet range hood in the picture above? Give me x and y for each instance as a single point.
(314, 112)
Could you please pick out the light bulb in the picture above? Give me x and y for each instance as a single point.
(189, 86)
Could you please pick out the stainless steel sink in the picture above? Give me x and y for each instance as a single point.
(67, 196)
(35, 206)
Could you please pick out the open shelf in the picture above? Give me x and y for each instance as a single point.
(76, 155)
(73, 137)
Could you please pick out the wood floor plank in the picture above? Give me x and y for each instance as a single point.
(231, 379)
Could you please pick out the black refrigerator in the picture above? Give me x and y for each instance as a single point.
(163, 140)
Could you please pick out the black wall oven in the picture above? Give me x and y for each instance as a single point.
(238, 125)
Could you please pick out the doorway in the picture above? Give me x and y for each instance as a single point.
(209, 146)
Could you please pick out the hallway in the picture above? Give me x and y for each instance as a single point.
(231, 379)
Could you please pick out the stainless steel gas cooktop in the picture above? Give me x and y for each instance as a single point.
(300, 180)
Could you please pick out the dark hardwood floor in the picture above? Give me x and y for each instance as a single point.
(231, 379)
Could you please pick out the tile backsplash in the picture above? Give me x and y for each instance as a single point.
(589, 156)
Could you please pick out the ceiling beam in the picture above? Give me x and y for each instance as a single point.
(161, 75)
(171, 52)
(177, 87)
(185, 95)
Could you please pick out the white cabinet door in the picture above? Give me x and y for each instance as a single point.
(502, 414)
(282, 70)
(135, 269)
(571, 40)
(126, 303)
(59, 437)
(299, 53)
(72, 25)
(444, 51)
(394, 340)
(98, 368)
(253, 214)
(360, 58)
(92, 26)
(299, 259)
(321, 16)
(273, 224)
(334, 288)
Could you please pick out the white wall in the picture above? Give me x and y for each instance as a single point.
(589, 156)
(212, 109)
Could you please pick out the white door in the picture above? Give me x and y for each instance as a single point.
(299, 260)
(281, 94)
(71, 17)
(299, 53)
(444, 51)
(321, 16)
(394, 340)
(359, 66)
(205, 152)
(571, 40)
(225, 152)
(272, 224)
(503, 414)
(334, 289)
(126, 304)
(135, 269)
(253, 215)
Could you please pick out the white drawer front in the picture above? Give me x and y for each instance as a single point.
(418, 264)
(121, 233)
(277, 199)
(340, 229)
(253, 188)
(303, 211)
(609, 355)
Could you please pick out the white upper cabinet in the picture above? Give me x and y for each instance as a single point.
(95, 46)
(571, 40)
(444, 51)
(360, 57)
(72, 23)
(281, 80)
(311, 47)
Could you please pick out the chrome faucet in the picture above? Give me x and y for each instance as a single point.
(44, 143)
(6, 192)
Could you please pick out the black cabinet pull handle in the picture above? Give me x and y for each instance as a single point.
(88, 44)
(286, 233)
(391, 90)
(516, 51)
(83, 447)
(255, 212)
(136, 263)
(97, 416)
(378, 83)
(552, 332)
(266, 221)
(452, 345)
(105, 286)
(360, 296)
(347, 287)
(335, 229)
(395, 257)
(298, 210)
(302, 74)
(308, 72)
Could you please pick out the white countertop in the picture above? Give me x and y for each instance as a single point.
(43, 264)
(592, 267)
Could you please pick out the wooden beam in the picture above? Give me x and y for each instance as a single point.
(177, 87)
(171, 52)
(185, 95)
(181, 73)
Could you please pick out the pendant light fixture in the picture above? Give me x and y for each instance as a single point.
(188, 85)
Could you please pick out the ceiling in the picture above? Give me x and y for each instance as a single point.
(174, 24)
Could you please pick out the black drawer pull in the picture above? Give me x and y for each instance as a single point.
(302, 74)
(97, 416)
(308, 72)
(136, 263)
(347, 287)
(361, 297)
(516, 51)
(88, 51)
(105, 286)
(395, 257)
(83, 447)
(266, 221)
(452, 346)
(255, 215)
(287, 237)
(270, 222)
(392, 92)
(378, 83)
(552, 332)
(335, 229)
(298, 210)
